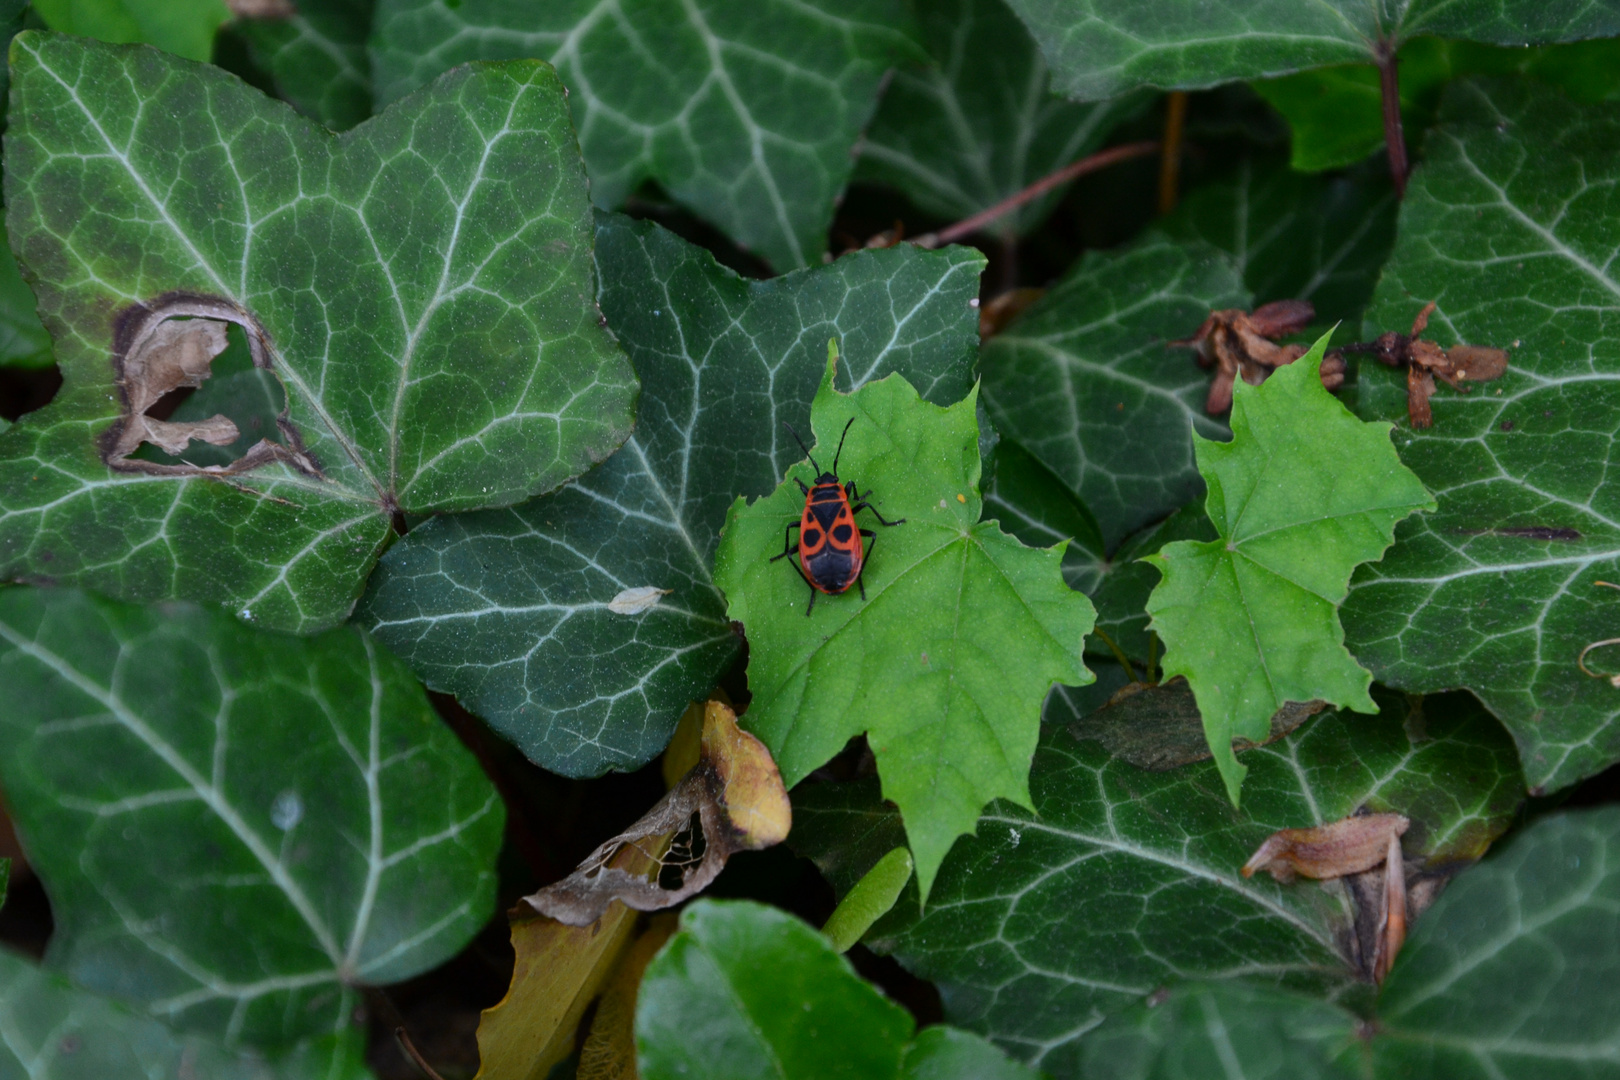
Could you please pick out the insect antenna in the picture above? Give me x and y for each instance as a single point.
(841, 439)
(805, 448)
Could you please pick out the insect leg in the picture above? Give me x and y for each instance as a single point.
(812, 605)
(860, 578)
(863, 505)
(786, 550)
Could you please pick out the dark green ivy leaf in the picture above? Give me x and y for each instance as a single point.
(744, 110)
(53, 1031)
(1509, 976)
(1086, 383)
(237, 829)
(1100, 48)
(317, 57)
(1121, 880)
(422, 287)
(510, 610)
(1508, 227)
(980, 122)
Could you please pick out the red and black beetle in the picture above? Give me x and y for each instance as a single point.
(831, 555)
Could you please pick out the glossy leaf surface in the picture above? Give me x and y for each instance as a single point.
(1302, 494)
(318, 59)
(511, 610)
(744, 110)
(286, 851)
(916, 657)
(422, 287)
(1086, 382)
(979, 123)
(1123, 880)
(1099, 48)
(1508, 228)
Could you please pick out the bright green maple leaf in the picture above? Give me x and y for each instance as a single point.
(923, 664)
(1302, 495)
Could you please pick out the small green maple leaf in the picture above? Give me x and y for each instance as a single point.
(1302, 495)
(962, 633)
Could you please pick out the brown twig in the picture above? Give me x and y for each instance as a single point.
(1100, 160)
(1394, 137)
(1175, 120)
(410, 1048)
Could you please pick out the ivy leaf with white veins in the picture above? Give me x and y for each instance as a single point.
(421, 286)
(980, 123)
(1297, 237)
(306, 824)
(1085, 381)
(1508, 227)
(1122, 881)
(745, 111)
(55, 1031)
(1510, 976)
(1100, 48)
(1302, 494)
(513, 610)
(920, 663)
(317, 57)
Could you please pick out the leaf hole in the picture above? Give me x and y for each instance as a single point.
(200, 392)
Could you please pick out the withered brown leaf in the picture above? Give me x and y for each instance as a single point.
(1347, 846)
(1425, 361)
(732, 800)
(1241, 344)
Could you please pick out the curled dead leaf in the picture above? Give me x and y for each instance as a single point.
(1241, 344)
(1347, 846)
(732, 800)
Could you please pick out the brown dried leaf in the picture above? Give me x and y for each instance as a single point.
(1392, 910)
(1002, 310)
(1347, 846)
(1238, 345)
(733, 800)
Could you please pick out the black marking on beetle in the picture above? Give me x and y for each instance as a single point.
(134, 328)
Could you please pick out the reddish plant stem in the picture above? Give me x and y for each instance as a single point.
(1100, 160)
(1394, 137)
(1175, 120)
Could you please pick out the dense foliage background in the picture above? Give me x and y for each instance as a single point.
(398, 416)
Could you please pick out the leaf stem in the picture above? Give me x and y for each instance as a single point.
(1175, 121)
(1153, 656)
(1100, 160)
(1394, 138)
(1119, 654)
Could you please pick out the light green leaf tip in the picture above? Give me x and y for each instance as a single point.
(869, 900)
(1302, 495)
(920, 664)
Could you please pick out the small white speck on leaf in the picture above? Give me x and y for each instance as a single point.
(286, 811)
(635, 601)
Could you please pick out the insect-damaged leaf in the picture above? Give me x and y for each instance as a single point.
(979, 123)
(921, 665)
(1121, 881)
(1508, 227)
(305, 823)
(512, 610)
(1099, 48)
(422, 287)
(1302, 494)
(744, 110)
(732, 800)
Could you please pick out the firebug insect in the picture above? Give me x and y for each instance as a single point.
(831, 554)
